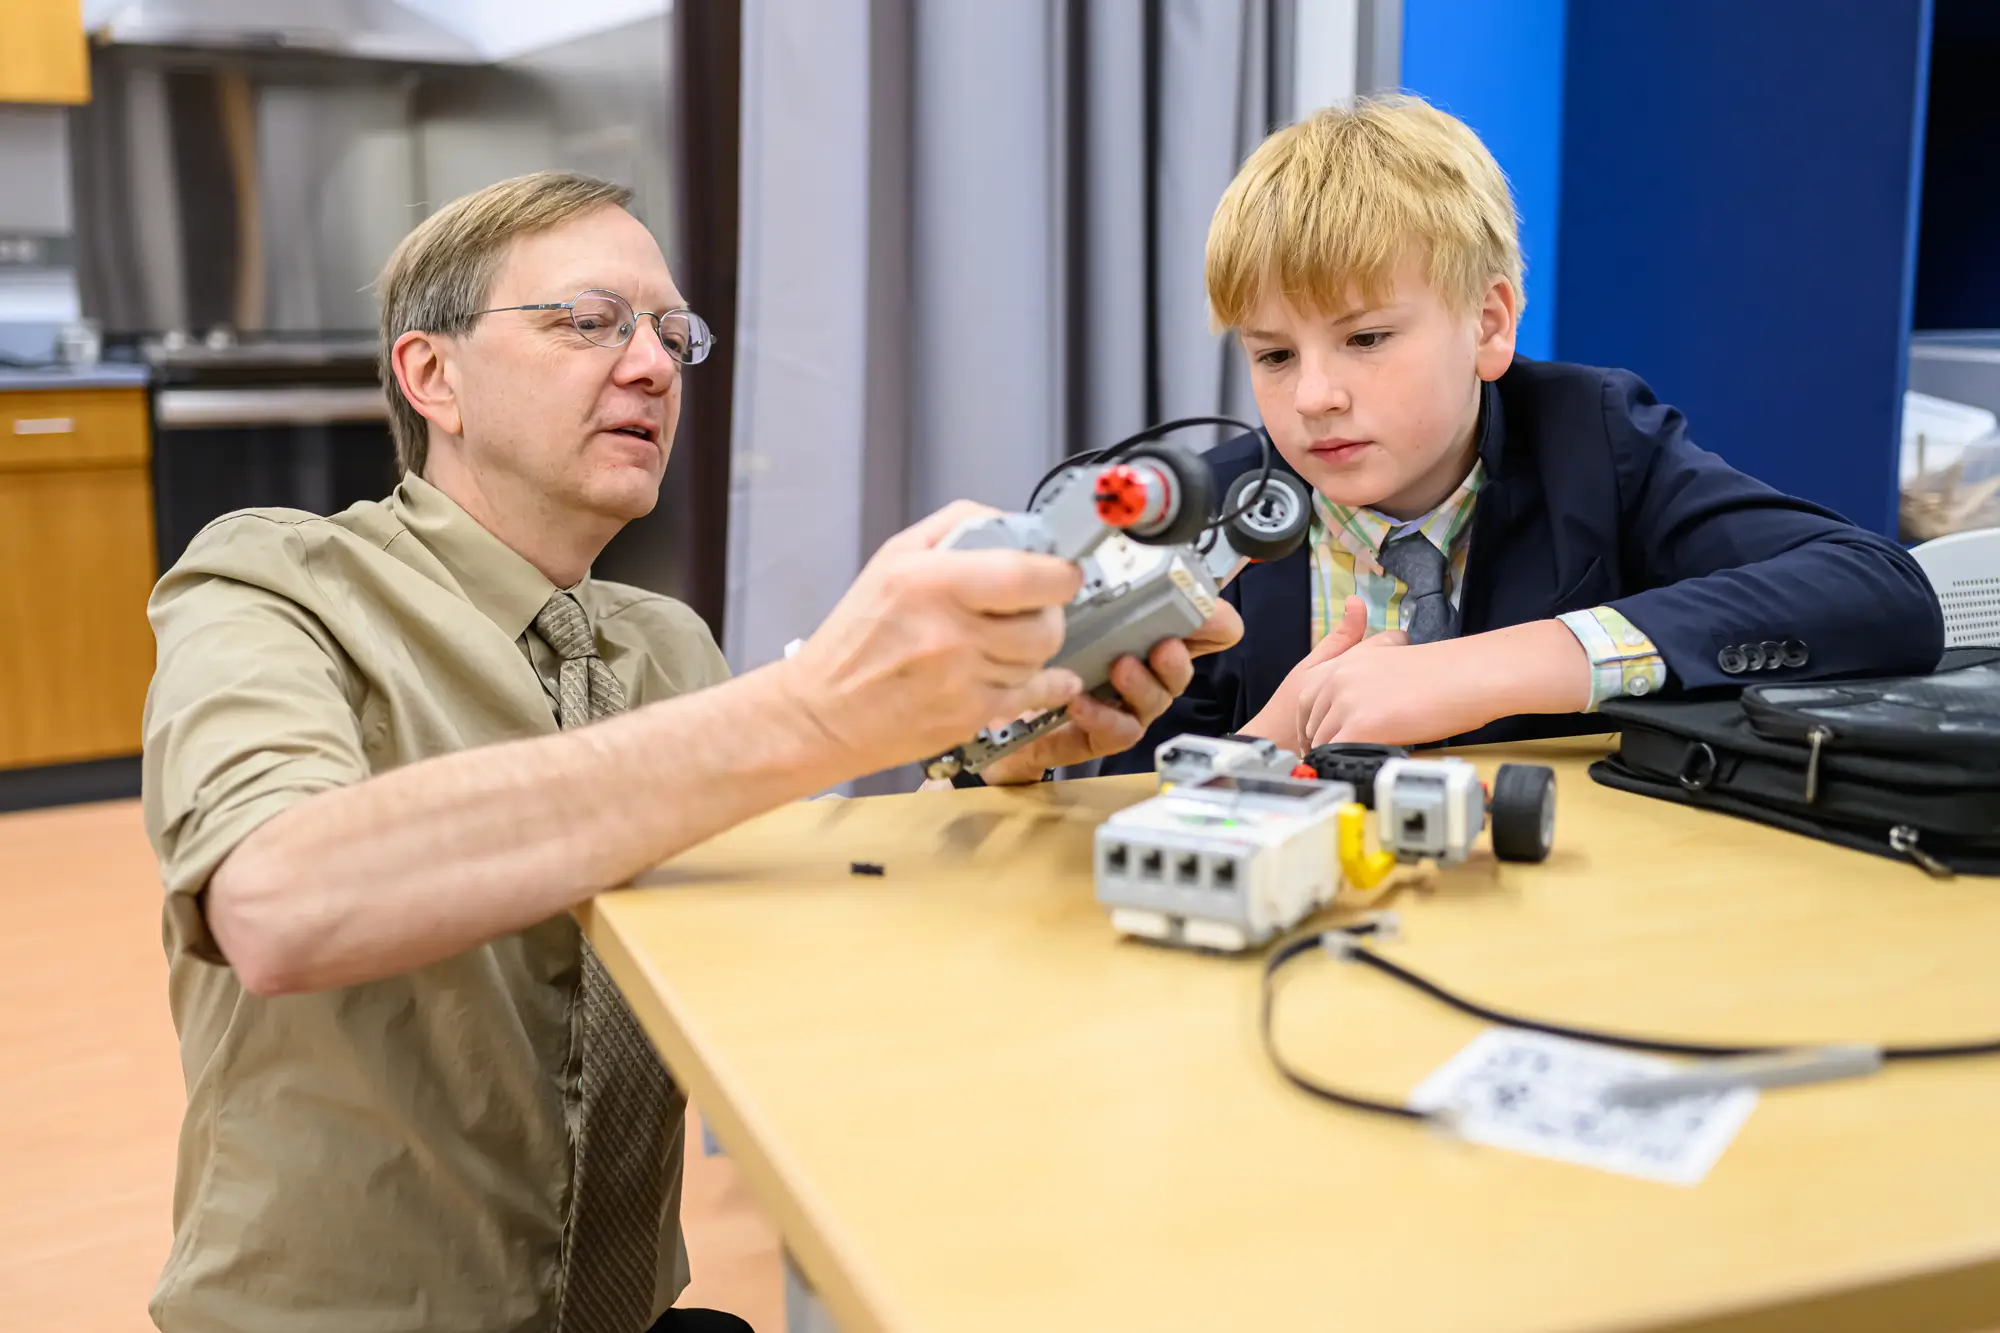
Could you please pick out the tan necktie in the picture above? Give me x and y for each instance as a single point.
(611, 1243)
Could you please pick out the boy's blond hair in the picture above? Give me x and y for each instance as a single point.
(439, 276)
(1327, 208)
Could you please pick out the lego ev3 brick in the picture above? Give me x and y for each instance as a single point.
(1249, 852)
(1161, 600)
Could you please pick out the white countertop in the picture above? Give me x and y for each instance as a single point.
(105, 375)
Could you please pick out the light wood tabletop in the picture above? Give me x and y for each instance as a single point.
(968, 1105)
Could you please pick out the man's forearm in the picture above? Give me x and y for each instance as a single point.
(430, 860)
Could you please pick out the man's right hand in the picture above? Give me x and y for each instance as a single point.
(929, 646)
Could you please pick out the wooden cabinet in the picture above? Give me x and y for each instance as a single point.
(76, 567)
(42, 54)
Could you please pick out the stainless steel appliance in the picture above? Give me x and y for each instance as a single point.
(374, 29)
(244, 169)
(298, 424)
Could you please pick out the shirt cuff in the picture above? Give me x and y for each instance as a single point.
(1622, 660)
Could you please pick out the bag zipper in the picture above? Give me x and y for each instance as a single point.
(1817, 737)
(1903, 840)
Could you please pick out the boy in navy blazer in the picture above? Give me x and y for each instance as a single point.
(1499, 545)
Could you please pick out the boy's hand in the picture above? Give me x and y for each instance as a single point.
(1279, 720)
(1145, 690)
(1387, 691)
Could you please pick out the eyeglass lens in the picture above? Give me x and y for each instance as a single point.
(608, 320)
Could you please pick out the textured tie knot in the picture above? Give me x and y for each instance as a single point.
(585, 689)
(1428, 614)
(1416, 560)
(565, 628)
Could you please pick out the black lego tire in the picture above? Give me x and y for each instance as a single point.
(1356, 762)
(1194, 484)
(1523, 812)
(1273, 527)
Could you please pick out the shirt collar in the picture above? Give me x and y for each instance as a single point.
(1364, 532)
(494, 577)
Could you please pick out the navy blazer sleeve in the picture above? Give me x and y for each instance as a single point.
(1723, 560)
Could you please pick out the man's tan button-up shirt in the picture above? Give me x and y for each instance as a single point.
(394, 1155)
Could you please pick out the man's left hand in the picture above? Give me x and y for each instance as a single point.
(1145, 689)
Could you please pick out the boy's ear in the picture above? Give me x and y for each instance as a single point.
(1499, 315)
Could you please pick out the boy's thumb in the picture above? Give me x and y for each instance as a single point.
(1353, 627)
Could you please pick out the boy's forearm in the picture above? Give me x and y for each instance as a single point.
(1413, 695)
(1539, 667)
(429, 860)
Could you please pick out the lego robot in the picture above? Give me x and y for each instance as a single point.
(1434, 809)
(1155, 554)
(1245, 839)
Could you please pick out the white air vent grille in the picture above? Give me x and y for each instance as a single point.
(1971, 612)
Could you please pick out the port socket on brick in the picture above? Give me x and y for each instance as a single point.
(1187, 868)
(1116, 858)
(1151, 864)
(1223, 875)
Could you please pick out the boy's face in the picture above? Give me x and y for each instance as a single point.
(1376, 407)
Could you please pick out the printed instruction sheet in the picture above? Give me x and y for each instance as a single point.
(1545, 1095)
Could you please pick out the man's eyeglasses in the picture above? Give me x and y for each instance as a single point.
(607, 319)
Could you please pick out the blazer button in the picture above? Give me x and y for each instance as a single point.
(1774, 654)
(1753, 656)
(1732, 661)
(1796, 653)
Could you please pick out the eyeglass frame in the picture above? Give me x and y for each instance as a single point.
(706, 344)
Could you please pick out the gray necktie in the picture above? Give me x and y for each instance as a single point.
(611, 1237)
(1420, 566)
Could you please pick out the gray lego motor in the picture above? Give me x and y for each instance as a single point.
(1155, 556)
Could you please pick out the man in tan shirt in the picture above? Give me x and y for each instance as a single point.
(388, 750)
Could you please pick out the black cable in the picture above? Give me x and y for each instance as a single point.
(1255, 493)
(1112, 453)
(1345, 943)
(1285, 953)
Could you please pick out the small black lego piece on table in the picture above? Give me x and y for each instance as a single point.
(1355, 762)
(864, 868)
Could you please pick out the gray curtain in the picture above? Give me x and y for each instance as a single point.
(971, 245)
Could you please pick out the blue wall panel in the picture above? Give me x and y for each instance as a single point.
(1738, 222)
(1498, 66)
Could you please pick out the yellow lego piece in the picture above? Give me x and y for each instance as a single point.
(1362, 868)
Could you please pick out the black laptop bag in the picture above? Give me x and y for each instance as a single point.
(1907, 767)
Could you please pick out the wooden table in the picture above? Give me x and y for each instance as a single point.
(970, 1107)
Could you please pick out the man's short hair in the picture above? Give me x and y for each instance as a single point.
(442, 272)
(1330, 205)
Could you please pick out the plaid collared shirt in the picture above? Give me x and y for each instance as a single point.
(1346, 545)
